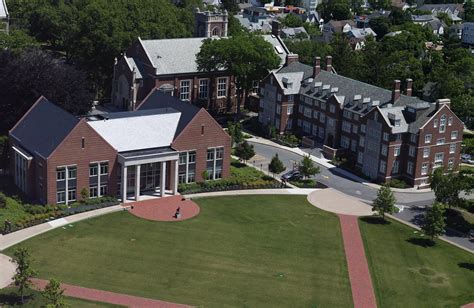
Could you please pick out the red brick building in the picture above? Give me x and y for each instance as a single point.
(385, 134)
(56, 155)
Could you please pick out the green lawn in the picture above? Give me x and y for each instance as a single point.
(9, 298)
(408, 273)
(252, 251)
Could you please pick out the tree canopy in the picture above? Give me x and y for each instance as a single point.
(434, 223)
(385, 201)
(307, 167)
(276, 166)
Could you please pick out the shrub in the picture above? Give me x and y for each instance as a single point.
(396, 183)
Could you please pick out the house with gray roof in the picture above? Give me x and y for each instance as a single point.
(4, 17)
(385, 134)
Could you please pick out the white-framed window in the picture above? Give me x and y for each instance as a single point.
(307, 112)
(355, 129)
(203, 88)
(93, 192)
(278, 109)
(346, 126)
(315, 114)
(290, 98)
(279, 97)
(184, 90)
(384, 150)
(362, 128)
(435, 123)
(306, 127)
(454, 135)
(450, 121)
(360, 158)
(322, 118)
(410, 167)
(452, 148)
(412, 151)
(426, 152)
(220, 153)
(93, 170)
(413, 138)
(72, 173)
(396, 151)
(383, 166)
(210, 155)
(60, 196)
(439, 158)
(332, 108)
(345, 144)
(289, 110)
(104, 168)
(428, 138)
(395, 166)
(440, 141)
(71, 194)
(222, 87)
(191, 157)
(424, 168)
(182, 158)
(362, 141)
(103, 190)
(385, 136)
(60, 174)
(450, 163)
(442, 124)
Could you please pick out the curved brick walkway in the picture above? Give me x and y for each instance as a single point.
(164, 209)
(109, 297)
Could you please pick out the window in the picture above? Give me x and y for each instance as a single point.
(450, 163)
(331, 122)
(353, 145)
(410, 167)
(222, 87)
(306, 127)
(277, 124)
(362, 141)
(71, 194)
(383, 166)
(384, 150)
(426, 152)
(307, 112)
(452, 148)
(346, 114)
(191, 177)
(442, 124)
(322, 118)
(219, 153)
(315, 130)
(104, 168)
(300, 108)
(298, 123)
(360, 158)
(395, 166)
(290, 98)
(61, 174)
(203, 88)
(346, 126)
(182, 158)
(428, 138)
(83, 142)
(61, 196)
(356, 117)
(355, 128)
(192, 157)
(218, 173)
(315, 114)
(279, 97)
(202, 129)
(440, 141)
(72, 172)
(289, 124)
(289, 110)
(210, 154)
(412, 151)
(93, 192)
(435, 123)
(362, 128)
(332, 108)
(385, 136)
(184, 90)
(278, 109)
(424, 169)
(103, 190)
(439, 158)
(345, 142)
(454, 135)
(93, 170)
(450, 121)
(413, 138)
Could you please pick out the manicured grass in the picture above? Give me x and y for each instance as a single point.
(407, 272)
(254, 251)
(9, 298)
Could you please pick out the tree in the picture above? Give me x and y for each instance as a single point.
(24, 271)
(385, 201)
(307, 167)
(292, 21)
(276, 166)
(53, 294)
(335, 9)
(447, 187)
(246, 56)
(16, 40)
(244, 151)
(234, 129)
(380, 25)
(84, 194)
(435, 221)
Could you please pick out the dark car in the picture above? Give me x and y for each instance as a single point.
(291, 175)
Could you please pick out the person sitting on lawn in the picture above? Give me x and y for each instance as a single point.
(177, 214)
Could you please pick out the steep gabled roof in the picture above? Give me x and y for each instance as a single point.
(157, 99)
(43, 127)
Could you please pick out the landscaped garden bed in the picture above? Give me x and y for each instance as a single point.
(308, 183)
(241, 177)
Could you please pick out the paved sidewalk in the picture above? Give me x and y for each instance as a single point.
(363, 293)
(109, 297)
(7, 270)
(246, 192)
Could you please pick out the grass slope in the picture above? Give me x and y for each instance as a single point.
(407, 272)
(256, 251)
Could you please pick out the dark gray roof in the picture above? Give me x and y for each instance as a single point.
(296, 67)
(157, 99)
(44, 127)
(147, 152)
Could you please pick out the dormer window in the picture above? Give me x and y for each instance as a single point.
(397, 122)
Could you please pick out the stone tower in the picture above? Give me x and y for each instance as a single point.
(211, 23)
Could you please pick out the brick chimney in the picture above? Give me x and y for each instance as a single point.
(316, 66)
(276, 27)
(396, 91)
(443, 101)
(290, 58)
(409, 87)
(328, 63)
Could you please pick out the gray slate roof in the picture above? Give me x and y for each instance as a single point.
(157, 99)
(44, 127)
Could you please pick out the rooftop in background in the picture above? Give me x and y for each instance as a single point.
(3, 9)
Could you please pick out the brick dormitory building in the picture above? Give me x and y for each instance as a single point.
(165, 141)
(385, 134)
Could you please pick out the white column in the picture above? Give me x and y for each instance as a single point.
(175, 188)
(98, 180)
(214, 165)
(66, 185)
(163, 179)
(187, 167)
(124, 183)
(137, 182)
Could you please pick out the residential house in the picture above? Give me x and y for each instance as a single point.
(453, 10)
(4, 17)
(296, 32)
(336, 26)
(467, 37)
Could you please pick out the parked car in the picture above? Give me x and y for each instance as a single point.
(471, 234)
(467, 159)
(291, 175)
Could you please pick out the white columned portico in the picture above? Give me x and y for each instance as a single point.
(124, 183)
(163, 179)
(176, 170)
(137, 182)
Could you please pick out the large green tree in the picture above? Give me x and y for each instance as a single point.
(276, 166)
(447, 187)
(434, 223)
(245, 151)
(385, 201)
(54, 294)
(248, 57)
(307, 167)
(24, 272)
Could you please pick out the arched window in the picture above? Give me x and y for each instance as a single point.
(216, 32)
(442, 124)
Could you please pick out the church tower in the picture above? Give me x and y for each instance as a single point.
(211, 23)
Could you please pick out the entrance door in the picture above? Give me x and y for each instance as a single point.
(150, 177)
